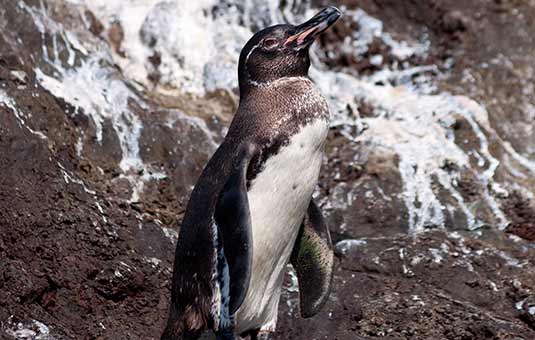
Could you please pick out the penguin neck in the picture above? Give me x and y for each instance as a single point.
(270, 85)
(254, 77)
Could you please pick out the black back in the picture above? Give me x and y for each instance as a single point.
(276, 100)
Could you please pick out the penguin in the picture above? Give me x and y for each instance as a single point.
(251, 211)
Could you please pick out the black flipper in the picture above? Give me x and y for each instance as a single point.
(233, 219)
(313, 260)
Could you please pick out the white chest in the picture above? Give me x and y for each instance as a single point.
(280, 194)
(278, 199)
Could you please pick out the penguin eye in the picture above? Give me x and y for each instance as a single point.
(270, 43)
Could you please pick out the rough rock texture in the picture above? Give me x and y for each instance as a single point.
(97, 164)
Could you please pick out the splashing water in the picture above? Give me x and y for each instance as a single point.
(8, 102)
(32, 329)
(177, 47)
(95, 89)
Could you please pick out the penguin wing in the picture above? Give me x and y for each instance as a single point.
(313, 260)
(233, 219)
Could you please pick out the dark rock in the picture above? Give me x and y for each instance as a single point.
(119, 280)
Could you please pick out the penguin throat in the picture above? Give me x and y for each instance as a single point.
(274, 82)
(256, 83)
(264, 72)
(248, 81)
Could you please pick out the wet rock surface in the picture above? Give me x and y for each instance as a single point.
(427, 186)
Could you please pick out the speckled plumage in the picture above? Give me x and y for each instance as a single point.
(247, 209)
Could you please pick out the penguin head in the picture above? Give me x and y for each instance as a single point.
(282, 50)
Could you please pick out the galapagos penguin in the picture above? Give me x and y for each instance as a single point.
(251, 211)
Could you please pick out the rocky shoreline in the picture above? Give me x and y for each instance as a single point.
(428, 184)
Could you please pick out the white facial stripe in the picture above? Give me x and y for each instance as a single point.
(252, 82)
(257, 84)
(251, 51)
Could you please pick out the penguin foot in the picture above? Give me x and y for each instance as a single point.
(260, 335)
(225, 334)
(264, 336)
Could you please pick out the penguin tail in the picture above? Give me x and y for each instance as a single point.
(188, 325)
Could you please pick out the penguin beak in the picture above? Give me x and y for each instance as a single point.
(308, 31)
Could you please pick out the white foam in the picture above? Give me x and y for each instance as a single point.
(95, 89)
(70, 178)
(197, 51)
(171, 234)
(154, 262)
(9, 103)
(370, 28)
(199, 43)
(345, 246)
(418, 128)
(30, 330)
